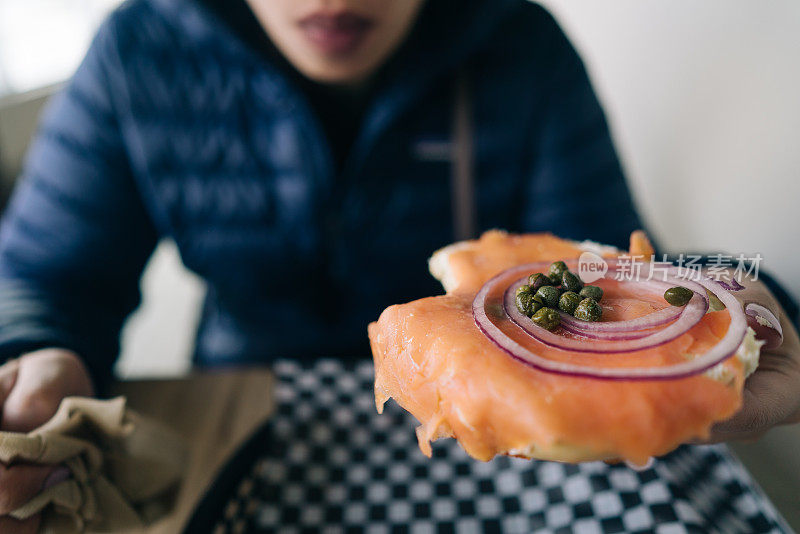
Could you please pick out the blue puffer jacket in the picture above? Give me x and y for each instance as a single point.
(172, 127)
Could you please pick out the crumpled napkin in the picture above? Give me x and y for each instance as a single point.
(123, 468)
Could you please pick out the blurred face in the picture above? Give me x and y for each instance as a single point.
(336, 41)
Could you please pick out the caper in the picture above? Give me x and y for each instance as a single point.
(570, 282)
(548, 295)
(524, 289)
(537, 280)
(569, 301)
(556, 270)
(592, 292)
(678, 296)
(547, 318)
(523, 302)
(588, 310)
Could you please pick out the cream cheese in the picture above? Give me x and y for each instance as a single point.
(747, 353)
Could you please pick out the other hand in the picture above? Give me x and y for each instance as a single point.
(771, 394)
(31, 388)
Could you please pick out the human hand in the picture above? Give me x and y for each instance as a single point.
(771, 394)
(31, 388)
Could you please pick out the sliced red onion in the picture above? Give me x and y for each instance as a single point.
(605, 336)
(651, 320)
(726, 347)
(734, 285)
(771, 334)
(691, 315)
(619, 330)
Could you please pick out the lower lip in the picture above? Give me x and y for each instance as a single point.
(336, 39)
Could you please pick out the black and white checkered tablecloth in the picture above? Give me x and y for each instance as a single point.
(330, 463)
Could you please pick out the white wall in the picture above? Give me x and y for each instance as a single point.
(158, 338)
(704, 101)
(42, 41)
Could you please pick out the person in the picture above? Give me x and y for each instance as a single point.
(306, 156)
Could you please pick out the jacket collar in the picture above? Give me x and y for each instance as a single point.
(447, 34)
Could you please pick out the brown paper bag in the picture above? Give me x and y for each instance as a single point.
(123, 468)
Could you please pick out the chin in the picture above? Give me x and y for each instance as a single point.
(336, 74)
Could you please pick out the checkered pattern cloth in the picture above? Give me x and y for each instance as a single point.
(331, 464)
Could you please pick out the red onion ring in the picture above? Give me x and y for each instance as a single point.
(636, 328)
(733, 286)
(651, 320)
(723, 350)
(620, 330)
(691, 315)
(657, 318)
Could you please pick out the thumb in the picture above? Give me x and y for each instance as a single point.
(28, 405)
(20, 483)
(8, 377)
(43, 379)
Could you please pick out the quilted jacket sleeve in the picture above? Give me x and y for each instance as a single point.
(75, 236)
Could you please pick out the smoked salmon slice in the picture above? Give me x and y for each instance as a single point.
(434, 361)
